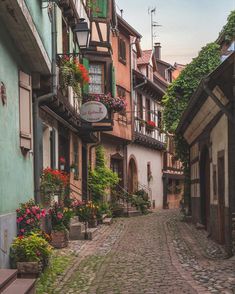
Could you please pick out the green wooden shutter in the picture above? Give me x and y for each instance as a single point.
(113, 81)
(100, 9)
(85, 62)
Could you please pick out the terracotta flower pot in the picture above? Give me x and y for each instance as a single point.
(59, 239)
(29, 270)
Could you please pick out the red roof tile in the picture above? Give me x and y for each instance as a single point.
(145, 58)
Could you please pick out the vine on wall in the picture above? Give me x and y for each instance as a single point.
(181, 90)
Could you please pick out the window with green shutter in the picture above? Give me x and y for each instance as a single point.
(100, 9)
(85, 62)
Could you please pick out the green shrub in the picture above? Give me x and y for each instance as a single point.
(32, 248)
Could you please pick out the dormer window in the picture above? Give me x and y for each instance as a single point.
(122, 51)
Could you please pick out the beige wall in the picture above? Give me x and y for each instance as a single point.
(219, 140)
(144, 155)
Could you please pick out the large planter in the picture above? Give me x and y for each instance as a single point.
(29, 270)
(92, 223)
(59, 239)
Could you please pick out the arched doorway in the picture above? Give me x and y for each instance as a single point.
(205, 186)
(132, 176)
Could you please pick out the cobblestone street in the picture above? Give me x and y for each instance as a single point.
(156, 253)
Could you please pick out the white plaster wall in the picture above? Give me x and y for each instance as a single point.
(144, 155)
(219, 140)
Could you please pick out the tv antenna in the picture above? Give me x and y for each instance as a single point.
(154, 24)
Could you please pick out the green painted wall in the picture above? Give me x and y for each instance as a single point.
(16, 171)
(39, 13)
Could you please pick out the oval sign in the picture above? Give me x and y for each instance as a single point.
(93, 111)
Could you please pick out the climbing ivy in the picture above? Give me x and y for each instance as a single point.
(228, 31)
(181, 90)
(102, 178)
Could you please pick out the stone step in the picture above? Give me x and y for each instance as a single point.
(75, 231)
(107, 221)
(7, 276)
(91, 233)
(133, 213)
(21, 286)
(74, 220)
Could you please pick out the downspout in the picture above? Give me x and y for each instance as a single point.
(37, 102)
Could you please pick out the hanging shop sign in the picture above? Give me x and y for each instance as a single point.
(93, 111)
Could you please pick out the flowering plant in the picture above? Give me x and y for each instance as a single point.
(60, 217)
(87, 211)
(62, 160)
(53, 180)
(31, 248)
(73, 74)
(115, 104)
(150, 125)
(28, 217)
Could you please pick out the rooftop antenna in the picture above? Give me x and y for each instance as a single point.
(154, 24)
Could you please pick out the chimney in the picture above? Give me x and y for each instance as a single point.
(157, 50)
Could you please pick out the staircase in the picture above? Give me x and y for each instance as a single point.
(9, 284)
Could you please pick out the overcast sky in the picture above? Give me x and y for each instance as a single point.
(187, 25)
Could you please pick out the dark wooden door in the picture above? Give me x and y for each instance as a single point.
(117, 167)
(205, 187)
(221, 196)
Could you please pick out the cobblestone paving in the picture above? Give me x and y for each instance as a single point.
(149, 254)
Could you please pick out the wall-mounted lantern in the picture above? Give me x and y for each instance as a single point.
(83, 33)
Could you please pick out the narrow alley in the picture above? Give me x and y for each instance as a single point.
(156, 253)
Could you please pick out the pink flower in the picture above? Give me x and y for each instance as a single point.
(28, 221)
(38, 216)
(28, 211)
(43, 213)
(60, 215)
(22, 230)
(19, 219)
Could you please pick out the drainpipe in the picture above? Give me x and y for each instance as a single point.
(37, 102)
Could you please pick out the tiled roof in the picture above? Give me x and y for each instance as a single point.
(145, 58)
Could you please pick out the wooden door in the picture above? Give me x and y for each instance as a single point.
(221, 196)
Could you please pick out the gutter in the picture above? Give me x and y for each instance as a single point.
(37, 102)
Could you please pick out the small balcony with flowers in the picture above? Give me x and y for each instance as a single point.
(148, 133)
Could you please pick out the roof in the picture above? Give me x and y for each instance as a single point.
(200, 96)
(164, 63)
(128, 27)
(145, 58)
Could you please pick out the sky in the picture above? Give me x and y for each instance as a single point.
(186, 25)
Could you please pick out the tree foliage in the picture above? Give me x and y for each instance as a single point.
(102, 178)
(228, 31)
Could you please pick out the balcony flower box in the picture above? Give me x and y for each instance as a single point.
(113, 104)
(150, 126)
(73, 74)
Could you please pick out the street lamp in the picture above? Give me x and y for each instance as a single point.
(83, 33)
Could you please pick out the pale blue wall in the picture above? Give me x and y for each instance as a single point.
(41, 21)
(16, 171)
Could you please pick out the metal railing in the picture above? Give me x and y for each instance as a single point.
(140, 127)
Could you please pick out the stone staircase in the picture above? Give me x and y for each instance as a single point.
(10, 284)
(131, 211)
(77, 229)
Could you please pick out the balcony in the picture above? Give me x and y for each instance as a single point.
(74, 10)
(148, 136)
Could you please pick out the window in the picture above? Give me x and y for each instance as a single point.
(159, 119)
(96, 72)
(65, 37)
(149, 172)
(148, 110)
(25, 108)
(122, 51)
(122, 94)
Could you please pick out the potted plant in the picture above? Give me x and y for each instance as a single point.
(52, 182)
(29, 217)
(62, 163)
(73, 168)
(73, 74)
(150, 126)
(114, 104)
(60, 222)
(30, 255)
